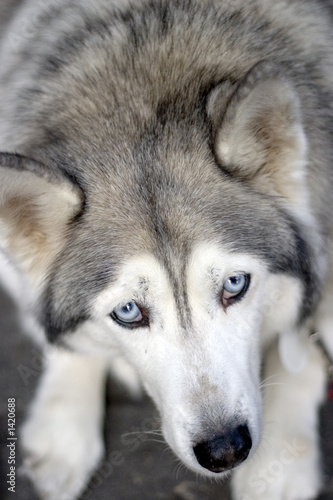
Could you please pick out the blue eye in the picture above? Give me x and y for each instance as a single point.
(235, 284)
(234, 288)
(129, 315)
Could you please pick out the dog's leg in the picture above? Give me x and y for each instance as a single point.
(62, 437)
(287, 463)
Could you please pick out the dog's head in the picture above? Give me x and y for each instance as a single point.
(183, 255)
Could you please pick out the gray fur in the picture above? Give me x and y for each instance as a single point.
(117, 99)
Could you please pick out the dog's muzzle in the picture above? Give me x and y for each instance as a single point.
(225, 451)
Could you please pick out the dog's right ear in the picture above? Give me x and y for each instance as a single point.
(259, 135)
(37, 206)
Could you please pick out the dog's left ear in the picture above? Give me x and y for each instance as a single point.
(260, 137)
(36, 207)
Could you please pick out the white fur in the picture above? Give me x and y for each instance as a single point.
(199, 378)
(62, 438)
(196, 384)
(287, 464)
(15, 284)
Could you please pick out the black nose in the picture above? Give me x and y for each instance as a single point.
(225, 451)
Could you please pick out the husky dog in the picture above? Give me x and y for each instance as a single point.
(167, 194)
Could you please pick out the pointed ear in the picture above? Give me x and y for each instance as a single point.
(260, 138)
(36, 209)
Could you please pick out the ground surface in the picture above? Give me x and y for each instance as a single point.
(136, 467)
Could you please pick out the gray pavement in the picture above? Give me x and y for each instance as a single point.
(137, 467)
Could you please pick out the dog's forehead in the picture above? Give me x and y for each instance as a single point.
(166, 193)
(164, 201)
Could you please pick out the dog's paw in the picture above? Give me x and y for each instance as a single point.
(291, 474)
(60, 451)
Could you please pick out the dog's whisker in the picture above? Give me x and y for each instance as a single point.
(140, 433)
(263, 386)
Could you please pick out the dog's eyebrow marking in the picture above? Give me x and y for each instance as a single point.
(182, 304)
(215, 275)
(178, 283)
(143, 283)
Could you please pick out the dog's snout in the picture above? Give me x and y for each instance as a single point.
(224, 451)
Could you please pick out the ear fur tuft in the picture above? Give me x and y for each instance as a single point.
(36, 206)
(260, 138)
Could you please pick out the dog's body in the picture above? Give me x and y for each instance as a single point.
(170, 201)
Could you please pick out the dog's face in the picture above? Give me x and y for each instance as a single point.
(181, 257)
(196, 345)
